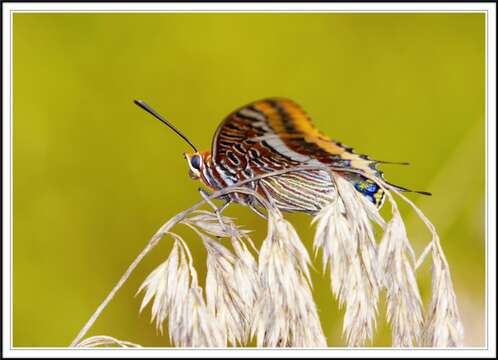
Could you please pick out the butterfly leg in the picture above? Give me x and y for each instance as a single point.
(257, 211)
(223, 207)
(205, 195)
(253, 204)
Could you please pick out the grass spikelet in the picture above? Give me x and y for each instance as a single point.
(404, 305)
(177, 297)
(285, 313)
(231, 281)
(220, 226)
(443, 326)
(167, 285)
(225, 295)
(345, 235)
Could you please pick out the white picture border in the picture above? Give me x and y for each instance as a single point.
(488, 8)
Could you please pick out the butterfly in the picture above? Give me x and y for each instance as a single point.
(274, 134)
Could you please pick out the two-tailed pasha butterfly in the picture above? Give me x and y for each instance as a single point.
(275, 134)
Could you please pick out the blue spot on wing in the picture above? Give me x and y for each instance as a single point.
(368, 191)
(372, 188)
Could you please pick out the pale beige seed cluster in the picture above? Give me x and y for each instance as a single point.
(266, 294)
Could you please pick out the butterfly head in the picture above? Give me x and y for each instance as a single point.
(195, 163)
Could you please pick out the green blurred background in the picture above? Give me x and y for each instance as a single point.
(95, 176)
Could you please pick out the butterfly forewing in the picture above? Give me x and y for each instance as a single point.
(276, 133)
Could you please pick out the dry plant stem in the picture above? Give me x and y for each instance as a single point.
(107, 341)
(424, 254)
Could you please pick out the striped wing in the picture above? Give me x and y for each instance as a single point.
(276, 133)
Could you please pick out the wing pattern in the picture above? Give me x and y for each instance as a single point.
(273, 134)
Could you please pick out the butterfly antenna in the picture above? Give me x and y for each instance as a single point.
(391, 162)
(154, 113)
(400, 188)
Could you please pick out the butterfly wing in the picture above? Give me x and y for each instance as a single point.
(272, 134)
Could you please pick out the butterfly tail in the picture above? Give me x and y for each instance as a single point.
(403, 189)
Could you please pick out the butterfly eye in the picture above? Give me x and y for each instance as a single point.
(195, 161)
